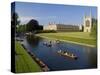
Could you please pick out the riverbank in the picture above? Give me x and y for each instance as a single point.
(43, 66)
(85, 42)
(23, 61)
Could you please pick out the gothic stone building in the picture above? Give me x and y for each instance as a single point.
(87, 23)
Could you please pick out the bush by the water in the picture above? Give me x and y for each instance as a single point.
(46, 31)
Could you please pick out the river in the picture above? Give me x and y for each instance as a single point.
(87, 56)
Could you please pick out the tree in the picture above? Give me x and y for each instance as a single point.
(32, 25)
(21, 28)
(14, 19)
(40, 27)
(94, 27)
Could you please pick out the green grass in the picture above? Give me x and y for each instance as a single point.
(23, 61)
(80, 37)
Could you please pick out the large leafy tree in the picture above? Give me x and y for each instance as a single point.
(32, 25)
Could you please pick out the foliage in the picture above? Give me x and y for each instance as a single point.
(21, 28)
(46, 31)
(94, 28)
(14, 19)
(33, 25)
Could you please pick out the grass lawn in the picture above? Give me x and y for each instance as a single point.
(80, 37)
(23, 61)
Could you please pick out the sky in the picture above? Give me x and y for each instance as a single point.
(53, 13)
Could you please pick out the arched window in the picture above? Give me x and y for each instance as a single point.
(87, 23)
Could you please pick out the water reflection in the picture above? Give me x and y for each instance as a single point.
(87, 56)
(33, 40)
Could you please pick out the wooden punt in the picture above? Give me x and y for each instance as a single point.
(67, 54)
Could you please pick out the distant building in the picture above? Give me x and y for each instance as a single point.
(61, 27)
(50, 27)
(87, 23)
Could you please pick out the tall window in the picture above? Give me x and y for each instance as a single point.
(87, 23)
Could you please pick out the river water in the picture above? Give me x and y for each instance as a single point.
(87, 56)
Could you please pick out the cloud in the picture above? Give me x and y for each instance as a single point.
(26, 19)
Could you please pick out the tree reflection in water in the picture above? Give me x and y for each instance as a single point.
(33, 40)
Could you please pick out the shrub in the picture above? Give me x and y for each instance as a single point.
(46, 31)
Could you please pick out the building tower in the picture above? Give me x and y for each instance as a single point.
(87, 23)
